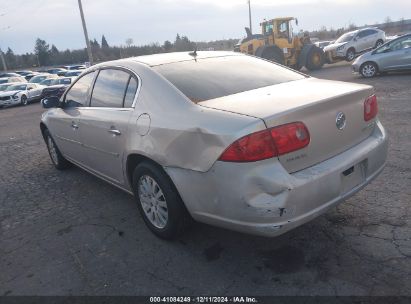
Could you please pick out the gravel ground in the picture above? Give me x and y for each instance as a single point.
(68, 233)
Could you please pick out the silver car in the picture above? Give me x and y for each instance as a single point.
(392, 56)
(219, 137)
(352, 43)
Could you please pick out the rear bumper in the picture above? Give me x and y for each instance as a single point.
(262, 198)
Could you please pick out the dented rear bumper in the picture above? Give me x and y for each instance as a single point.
(263, 198)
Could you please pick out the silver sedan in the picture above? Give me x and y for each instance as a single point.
(392, 56)
(219, 137)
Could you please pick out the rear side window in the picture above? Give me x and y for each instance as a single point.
(210, 78)
(77, 95)
(131, 93)
(110, 88)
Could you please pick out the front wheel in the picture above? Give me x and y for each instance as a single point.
(315, 59)
(23, 100)
(369, 69)
(379, 43)
(159, 203)
(350, 55)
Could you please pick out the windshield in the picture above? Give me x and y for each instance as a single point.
(216, 77)
(345, 38)
(17, 87)
(37, 79)
(3, 87)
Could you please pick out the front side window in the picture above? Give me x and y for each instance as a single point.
(110, 88)
(400, 44)
(77, 96)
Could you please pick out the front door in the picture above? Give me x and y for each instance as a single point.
(65, 123)
(396, 55)
(105, 122)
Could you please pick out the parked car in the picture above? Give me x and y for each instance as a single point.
(30, 75)
(352, 43)
(23, 94)
(10, 74)
(12, 79)
(75, 67)
(40, 77)
(24, 73)
(261, 149)
(47, 82)
(57, 87)
(73, 73)
(394, 55)
(4, 86)
(322, 44)
(57, 71)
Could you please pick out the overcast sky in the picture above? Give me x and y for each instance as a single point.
(146, 21)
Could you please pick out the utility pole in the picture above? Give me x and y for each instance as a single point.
(249, 15)
(90, 55)
(3, 61)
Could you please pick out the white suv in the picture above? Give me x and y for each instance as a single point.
(352, 43)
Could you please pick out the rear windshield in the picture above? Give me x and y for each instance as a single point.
(216, 77)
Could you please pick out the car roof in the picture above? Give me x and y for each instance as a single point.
(167, 58)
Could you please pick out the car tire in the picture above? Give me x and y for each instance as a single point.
(56, 157)
(23, 100)
(350, 55)
(158, 201)
(379, 43)
(369, 69)
(315, 58)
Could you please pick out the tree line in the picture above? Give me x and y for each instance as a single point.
(46, 55)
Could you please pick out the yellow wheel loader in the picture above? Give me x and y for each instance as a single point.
(278, 43)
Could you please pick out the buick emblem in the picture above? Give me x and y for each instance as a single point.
(340, 121)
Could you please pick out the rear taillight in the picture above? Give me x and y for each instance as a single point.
(370, 108)
(268, 143)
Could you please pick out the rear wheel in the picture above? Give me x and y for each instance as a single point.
(350, 55)
(23, 100)
(369, 69)
(315, 58)
(379, 43)
(56, 157)
(159, 203)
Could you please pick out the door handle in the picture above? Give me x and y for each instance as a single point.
(114, 132)
(74, 125)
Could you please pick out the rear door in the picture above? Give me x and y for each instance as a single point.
(65, 123)
(106, 122)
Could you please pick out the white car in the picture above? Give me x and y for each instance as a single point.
(12, 79)
(20, 94)
(352, 43)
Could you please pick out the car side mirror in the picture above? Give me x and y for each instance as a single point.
(50, 102)
(29, 89)
(387, 50)
(355, 38)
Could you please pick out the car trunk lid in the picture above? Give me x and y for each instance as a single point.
(314, 102)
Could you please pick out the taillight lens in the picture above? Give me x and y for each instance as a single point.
(253, 147)
(290, 137)
(370, 108)
(268, 143)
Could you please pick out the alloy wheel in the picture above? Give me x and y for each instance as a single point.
(52, 150)
(368, 70)
(153, 201)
